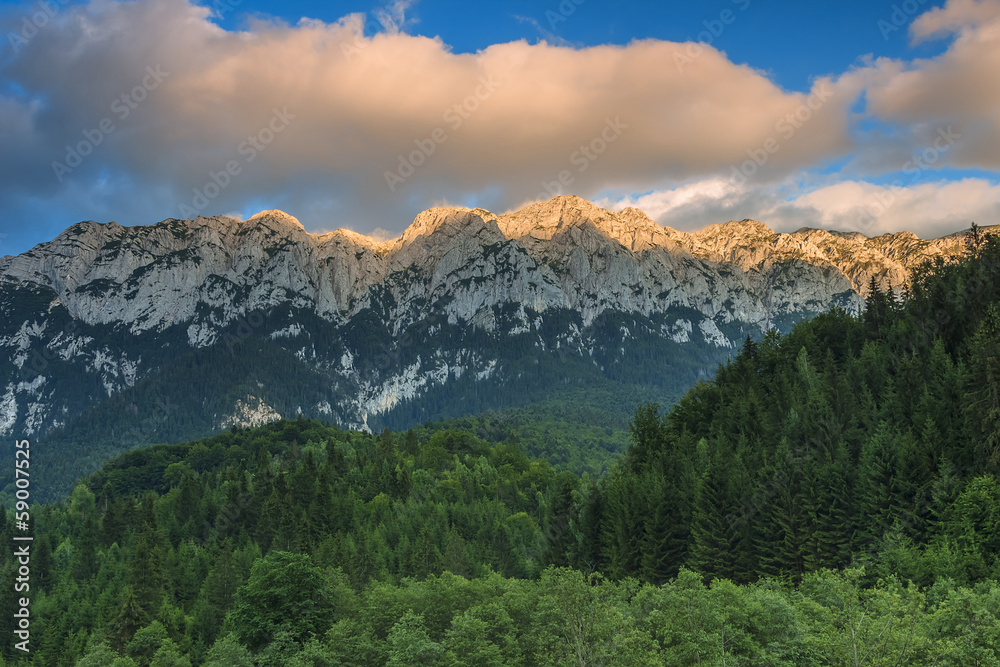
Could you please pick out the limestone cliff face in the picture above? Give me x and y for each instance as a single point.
(469, 266)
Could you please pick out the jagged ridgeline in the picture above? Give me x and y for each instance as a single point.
(830, 494)
(116, 337)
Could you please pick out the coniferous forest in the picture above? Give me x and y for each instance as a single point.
(831, 497)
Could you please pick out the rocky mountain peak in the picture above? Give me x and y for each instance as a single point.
(563, 275)
(339, 235)
(543, 220)
(277, 221)
(447, 220)
(742, 229)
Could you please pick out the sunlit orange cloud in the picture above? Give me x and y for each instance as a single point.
(958, 89)
(515, 114)
(353, 130)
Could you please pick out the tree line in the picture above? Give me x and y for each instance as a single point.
(829, 498)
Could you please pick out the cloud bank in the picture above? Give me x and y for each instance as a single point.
(142, 110)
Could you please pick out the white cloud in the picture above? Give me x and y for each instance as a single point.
(928, 210)
(491, 127)
(954, 16)
(508, 118)
(392, 17)
(959, 88)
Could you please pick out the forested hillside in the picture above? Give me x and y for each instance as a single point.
(870, 440)
(830, 498)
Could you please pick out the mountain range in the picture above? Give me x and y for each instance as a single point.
(120, 336)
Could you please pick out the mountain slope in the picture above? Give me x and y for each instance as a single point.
(465, 311)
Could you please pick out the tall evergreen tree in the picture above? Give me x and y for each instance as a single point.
(983, 393)
(714, 538)
(146, 568)
(878, 493)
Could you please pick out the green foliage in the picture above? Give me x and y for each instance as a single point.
(853, 438)
(830, 498)
(537, 385)
(410, 645)
(285, 592)
(228, 652)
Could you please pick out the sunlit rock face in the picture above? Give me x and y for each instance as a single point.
(503, 275)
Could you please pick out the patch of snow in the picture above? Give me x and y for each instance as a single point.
(130, 371)
(8, 410)
(33, 388)
(488, 371)
(35, 418)
(72, 347)
(712, 334)
(250, 413)
(291, 331)
(201, 335)
(396, 389)
(681, 331)
(28, 330)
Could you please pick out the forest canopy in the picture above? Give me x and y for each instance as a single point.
(830, 497)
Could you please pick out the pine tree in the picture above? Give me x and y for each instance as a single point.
(411, 445)
(714, 541)
(645, 430)
(983, 390)
(621, 525)
(85, 552)
(289, 534)
(43, 564)
(879, 499)
(558, 531)
(146, 569)
(218, 591)
(833, 513)
(665, 536)
(974, 241)
(784, 551)
(426, 558)
(454, 559)
(132, 616)
(878, 308)
(588, 552)
(112, 520)
(270, 517)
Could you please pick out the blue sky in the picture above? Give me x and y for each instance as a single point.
(793, 41)
(695, 102)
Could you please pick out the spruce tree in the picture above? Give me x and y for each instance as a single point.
(983, 390)
(878, 494)
(714, 540)
(146, 568)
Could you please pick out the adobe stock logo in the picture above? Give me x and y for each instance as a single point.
(250, 149)
(918, 163)
(455, 116)
(566, 9)
(30, 25)
(902, 14)
(584, 157)
(122, 107)
(786, 126)
(714, 28)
